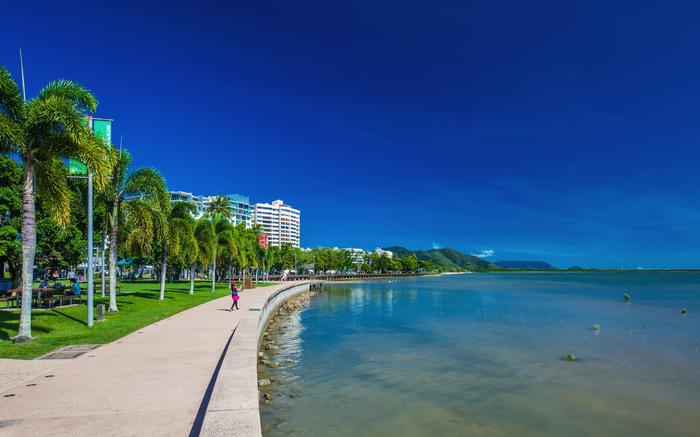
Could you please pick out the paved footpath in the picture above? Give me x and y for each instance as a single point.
(148, 383)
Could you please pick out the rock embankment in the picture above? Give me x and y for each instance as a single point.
(269, 350)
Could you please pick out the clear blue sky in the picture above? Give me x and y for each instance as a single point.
(565, 132)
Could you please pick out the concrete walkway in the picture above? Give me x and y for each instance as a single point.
(149, 383)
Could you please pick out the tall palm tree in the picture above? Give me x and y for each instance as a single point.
(227, 241)
(207, 242)
(126, 191)
(43, 131)
(268, 259)
(219, 209)
(146, 210)
(182, 238)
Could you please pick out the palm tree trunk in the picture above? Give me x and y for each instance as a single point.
(163, 268)
(113, 236)
(230, 268)
(192, 279)
(213, 275)
(28, 251)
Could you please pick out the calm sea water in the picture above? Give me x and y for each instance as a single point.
(479, 354)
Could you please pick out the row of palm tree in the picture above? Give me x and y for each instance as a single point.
(45, 131)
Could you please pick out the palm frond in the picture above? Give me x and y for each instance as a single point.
(148, 183)
(52, 185)
(140, 229)
(219, 207)
(183, 210)
(11, 102)
(206, 240)
(10, 134)
(121, 160)
(73, 91)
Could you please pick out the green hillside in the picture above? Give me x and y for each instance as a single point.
(525, 265)
(449, 259)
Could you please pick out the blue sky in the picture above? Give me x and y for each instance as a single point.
(564, 132)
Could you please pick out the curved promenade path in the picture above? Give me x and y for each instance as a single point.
(149, 383)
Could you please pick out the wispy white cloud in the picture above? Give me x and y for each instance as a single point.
(437, 245)
(485, 253)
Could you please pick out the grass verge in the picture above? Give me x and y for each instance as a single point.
(138, 307)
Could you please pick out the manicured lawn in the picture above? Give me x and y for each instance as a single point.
(138, 306)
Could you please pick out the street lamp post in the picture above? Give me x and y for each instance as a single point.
(90, 267)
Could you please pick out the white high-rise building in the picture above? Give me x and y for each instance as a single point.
(280, 222)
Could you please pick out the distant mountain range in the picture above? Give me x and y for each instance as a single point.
(525, 265)
(453, 260)
(449, 259)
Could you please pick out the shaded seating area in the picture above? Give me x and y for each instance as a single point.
(42, 298)
(47, 297)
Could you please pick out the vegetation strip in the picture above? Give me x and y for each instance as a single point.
(60, 327)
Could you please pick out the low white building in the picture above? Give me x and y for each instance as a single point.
(387, 253)
(279, 221)
(357, 255)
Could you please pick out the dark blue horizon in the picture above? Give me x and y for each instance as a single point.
(551, 131)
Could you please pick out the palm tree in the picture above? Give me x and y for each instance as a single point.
(43, 132)
(182, 238)
(268, 259)
(207, 242)
(219, 208)
(134, 192)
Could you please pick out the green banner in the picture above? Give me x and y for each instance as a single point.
(103, 129)
(76, 168)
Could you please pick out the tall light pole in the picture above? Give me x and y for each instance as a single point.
(90, 267)
(103, 243)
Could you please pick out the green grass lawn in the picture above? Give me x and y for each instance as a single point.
(138, 306)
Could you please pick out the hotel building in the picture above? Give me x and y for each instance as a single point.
(241, 209)
(280, 222)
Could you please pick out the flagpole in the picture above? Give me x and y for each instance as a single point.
(21, 67)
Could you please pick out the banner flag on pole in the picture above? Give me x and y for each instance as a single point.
(102, 128)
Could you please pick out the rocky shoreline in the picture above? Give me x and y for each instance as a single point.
(269, 360)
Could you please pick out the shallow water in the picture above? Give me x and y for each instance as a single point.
(479, 354)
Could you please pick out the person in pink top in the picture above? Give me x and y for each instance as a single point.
(234, 295)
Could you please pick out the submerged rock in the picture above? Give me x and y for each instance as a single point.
(263, 382)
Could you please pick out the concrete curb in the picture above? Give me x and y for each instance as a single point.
(233, 408)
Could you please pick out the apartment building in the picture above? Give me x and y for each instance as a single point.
(241, 208)
(279, 221)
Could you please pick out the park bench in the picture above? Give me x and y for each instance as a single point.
(9, 298)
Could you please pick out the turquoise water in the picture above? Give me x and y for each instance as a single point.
(479, 354)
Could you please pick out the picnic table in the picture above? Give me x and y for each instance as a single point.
(42, 296)
(47, 296)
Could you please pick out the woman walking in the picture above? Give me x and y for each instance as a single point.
(234, 295)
